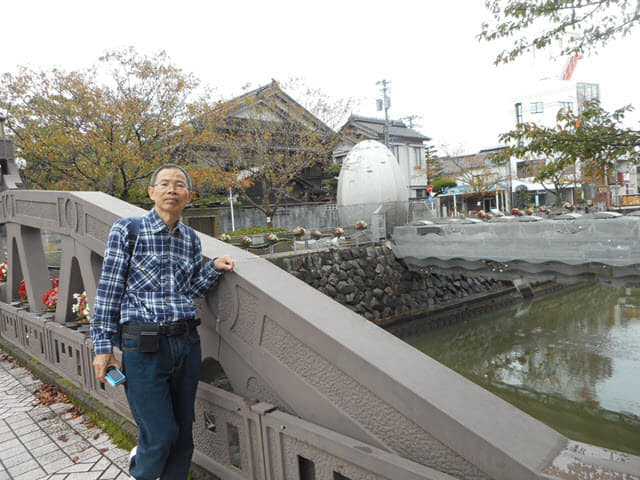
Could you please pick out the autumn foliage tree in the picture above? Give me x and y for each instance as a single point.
(477, 172)
(108, 127)
(594, 139)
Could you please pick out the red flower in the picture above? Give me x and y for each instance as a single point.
(50, 298)
(4, 271)
(22, 291)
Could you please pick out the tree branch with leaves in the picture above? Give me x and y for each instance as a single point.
(572, 27)
(108, 127)
(595, 138)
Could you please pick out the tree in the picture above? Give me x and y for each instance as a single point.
(331, 111)
(594, 138)
(573, 26)
(476, 171)
(432, 166)
(106, 128)
(331, 173)
(555, 178)
(272, 140)
(441, 183)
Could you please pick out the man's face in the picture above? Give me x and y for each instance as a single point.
(170, 192)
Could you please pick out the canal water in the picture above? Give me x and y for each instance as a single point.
(572, 360)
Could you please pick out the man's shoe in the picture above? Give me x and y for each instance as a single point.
(132, 455)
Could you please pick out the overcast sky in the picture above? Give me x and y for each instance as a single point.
(427, 49)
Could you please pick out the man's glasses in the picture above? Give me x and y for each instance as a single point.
(178, 186)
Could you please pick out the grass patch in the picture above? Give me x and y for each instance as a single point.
(255, 230)
(119, 437)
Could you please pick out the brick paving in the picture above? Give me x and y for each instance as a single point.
(50, 442)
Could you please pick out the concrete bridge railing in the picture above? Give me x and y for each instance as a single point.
(319, 392)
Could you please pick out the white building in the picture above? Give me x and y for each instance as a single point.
(541, 105)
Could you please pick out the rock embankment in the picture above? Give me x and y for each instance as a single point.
(371, 282)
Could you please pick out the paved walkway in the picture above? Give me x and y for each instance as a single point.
(53, 442)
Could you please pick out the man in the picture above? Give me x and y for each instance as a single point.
(144, 303)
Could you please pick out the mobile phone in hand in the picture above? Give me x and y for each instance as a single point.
(115, 376)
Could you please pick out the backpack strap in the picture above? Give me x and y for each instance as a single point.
(134, 228)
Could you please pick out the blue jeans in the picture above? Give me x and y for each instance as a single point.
(161, 390)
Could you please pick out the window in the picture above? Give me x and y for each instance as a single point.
(587, 92)
(536, 107)
(416, 159)
(518, 113)
(395, 149)
(629, 188)
(566, 106)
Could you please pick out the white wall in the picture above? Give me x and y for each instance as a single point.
(415, 178)
(551, 93)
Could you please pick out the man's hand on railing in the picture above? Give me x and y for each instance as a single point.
(101, 362)
(224, 263)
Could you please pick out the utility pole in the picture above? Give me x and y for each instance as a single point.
(410, 119)
(385, 103)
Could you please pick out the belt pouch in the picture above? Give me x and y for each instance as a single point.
(149, 339)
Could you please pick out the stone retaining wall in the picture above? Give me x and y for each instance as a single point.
(372, 282)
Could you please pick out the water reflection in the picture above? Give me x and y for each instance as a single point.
(578, 351)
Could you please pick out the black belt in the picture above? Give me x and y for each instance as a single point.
(171, 329)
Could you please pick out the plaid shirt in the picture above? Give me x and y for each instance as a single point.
(165, 273)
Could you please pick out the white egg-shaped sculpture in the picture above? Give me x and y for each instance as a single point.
(371, 181)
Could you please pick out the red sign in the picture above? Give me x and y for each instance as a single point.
(429, 188)
(624, 177)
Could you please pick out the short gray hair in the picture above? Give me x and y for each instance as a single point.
(171, 165)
